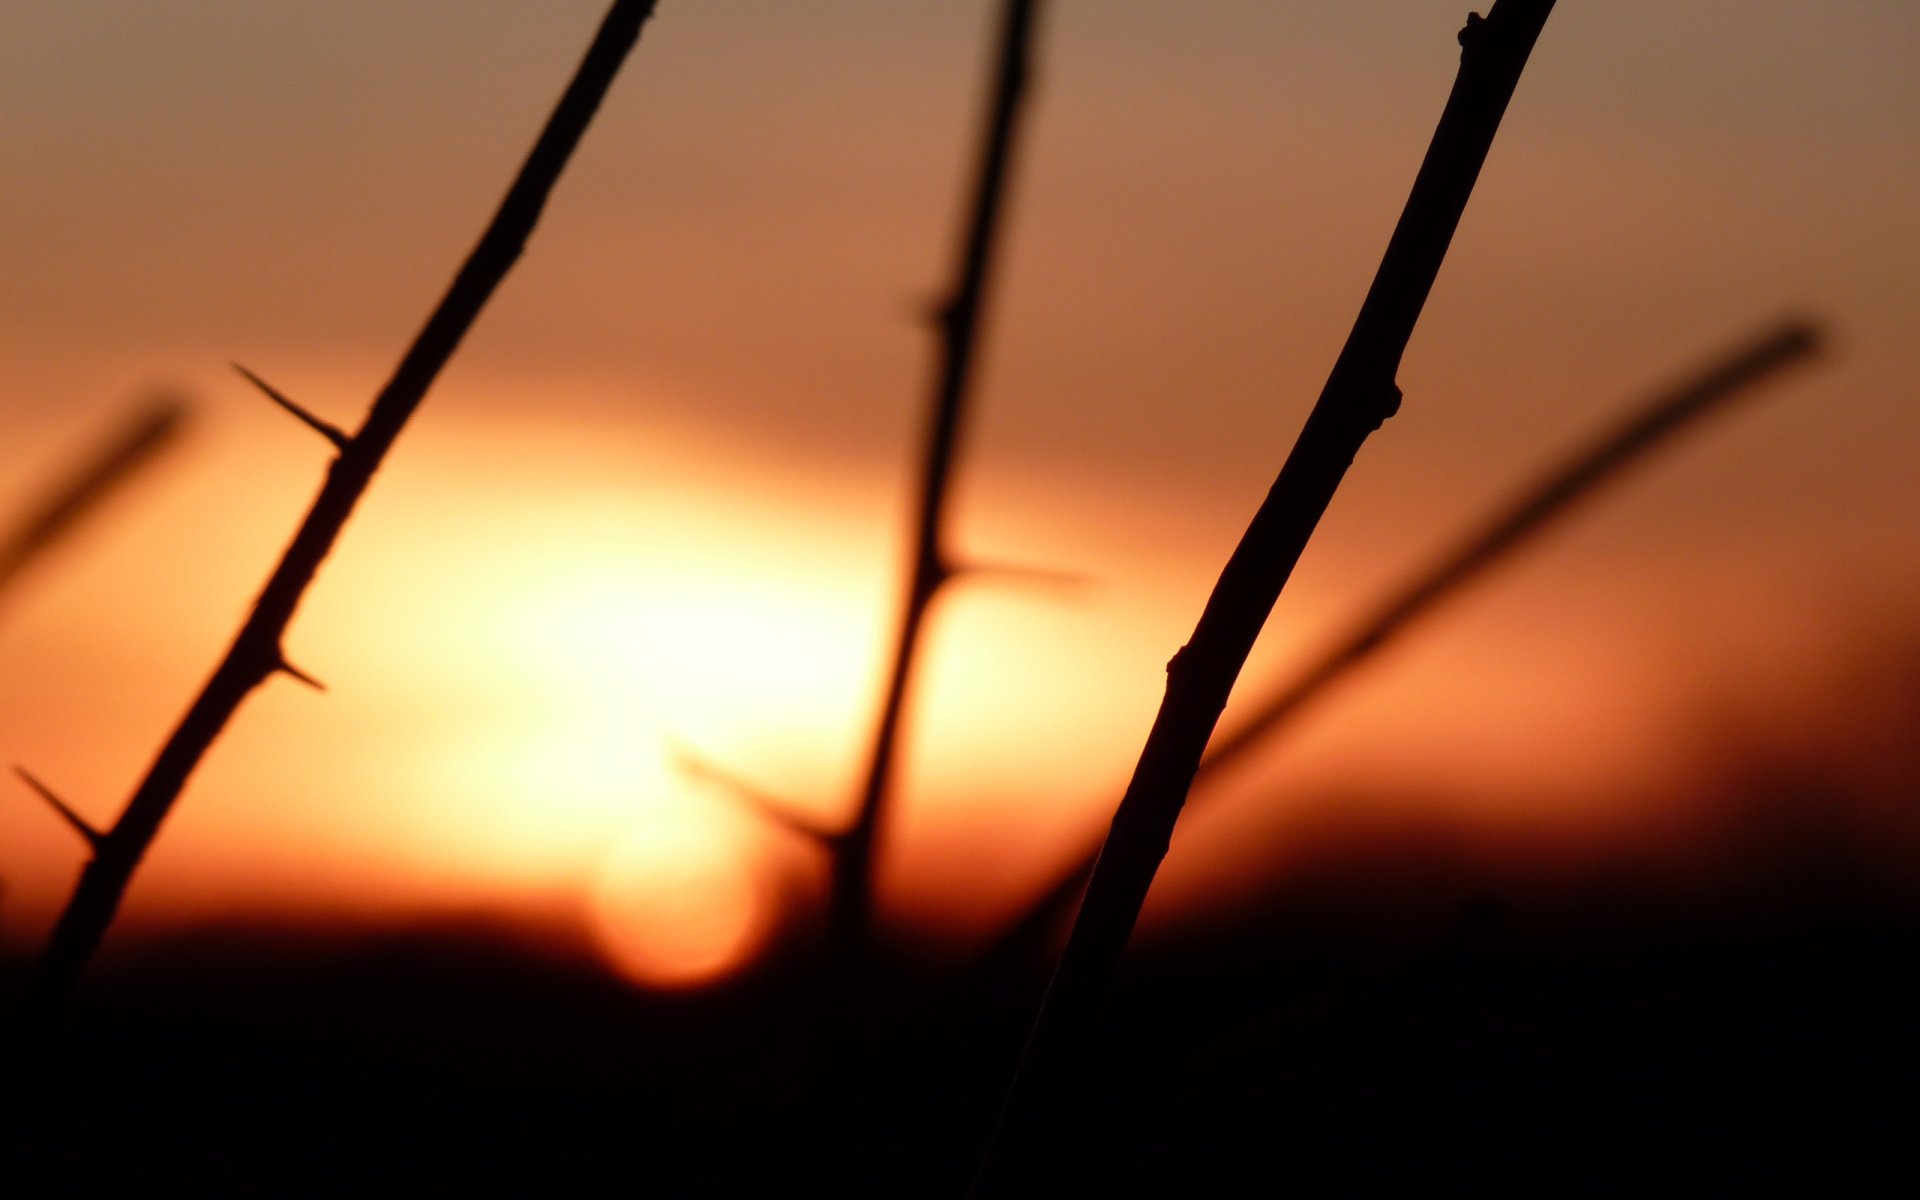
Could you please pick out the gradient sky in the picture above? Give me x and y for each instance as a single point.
(658, 495)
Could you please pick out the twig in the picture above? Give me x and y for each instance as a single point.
(1359, 395)
(155, 426)
(958, 321)
(1647, 428)
(256, 650)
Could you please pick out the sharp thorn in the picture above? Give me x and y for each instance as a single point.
(93, 836)
(332, 433)
(288, 669)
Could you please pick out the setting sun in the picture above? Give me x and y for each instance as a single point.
(680, 900)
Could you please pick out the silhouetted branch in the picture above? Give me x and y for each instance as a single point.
(1633, 438)
(333, 433)
(80, 824)
(1359, 395)
(255, 652)
(136, 444)
(957, 318)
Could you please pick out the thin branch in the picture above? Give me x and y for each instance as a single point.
(333, 433)
(79, 823)
(255, 651)
(1604, 459)
(1359, 395)
(148, 432)
(957, 318)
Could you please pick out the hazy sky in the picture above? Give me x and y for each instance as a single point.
(671, 456)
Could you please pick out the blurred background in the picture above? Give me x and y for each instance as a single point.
(660, 497)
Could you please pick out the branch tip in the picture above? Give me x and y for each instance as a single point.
(332, 433)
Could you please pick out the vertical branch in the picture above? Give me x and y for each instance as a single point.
(1580, 476)
(1360, 393)
(255, 653)
(132, 447)
(958, 320)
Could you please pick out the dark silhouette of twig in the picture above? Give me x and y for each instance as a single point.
(958, 319)
(1360, 393)
(149, 431)
(1633, 438)
(256, 652)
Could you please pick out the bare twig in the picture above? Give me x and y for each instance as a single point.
(1632, 439)
(256, 650)
(1359, 395)
(958, 320)
(149, 431)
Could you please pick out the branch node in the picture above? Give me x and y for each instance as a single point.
(332, 433)
(93, 837)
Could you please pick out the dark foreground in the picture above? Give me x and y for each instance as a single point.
(1355, 1036)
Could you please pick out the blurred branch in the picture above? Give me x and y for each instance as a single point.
(1514, 526)
(135, 445)
(958, 321)
(255, 653)
(1359, 395)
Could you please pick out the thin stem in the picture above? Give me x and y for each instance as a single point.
(130, 448)
(1633, 438)
(1359, 395)
(255, 652)
(958, 320)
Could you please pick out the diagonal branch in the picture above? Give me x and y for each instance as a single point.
(958, 321)
(1359, 395)
(149, 431)
(1517, 523)
(1514, 527)
(255, 651)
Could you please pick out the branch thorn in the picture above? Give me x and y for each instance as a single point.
(1044, 576)
(93, 837)
(288, 669)
(332, 433)
(764, 803)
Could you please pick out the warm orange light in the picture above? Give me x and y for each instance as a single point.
(678, 902)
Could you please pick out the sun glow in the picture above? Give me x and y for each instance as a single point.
(679, 902)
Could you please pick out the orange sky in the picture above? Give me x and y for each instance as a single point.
(658, 494)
